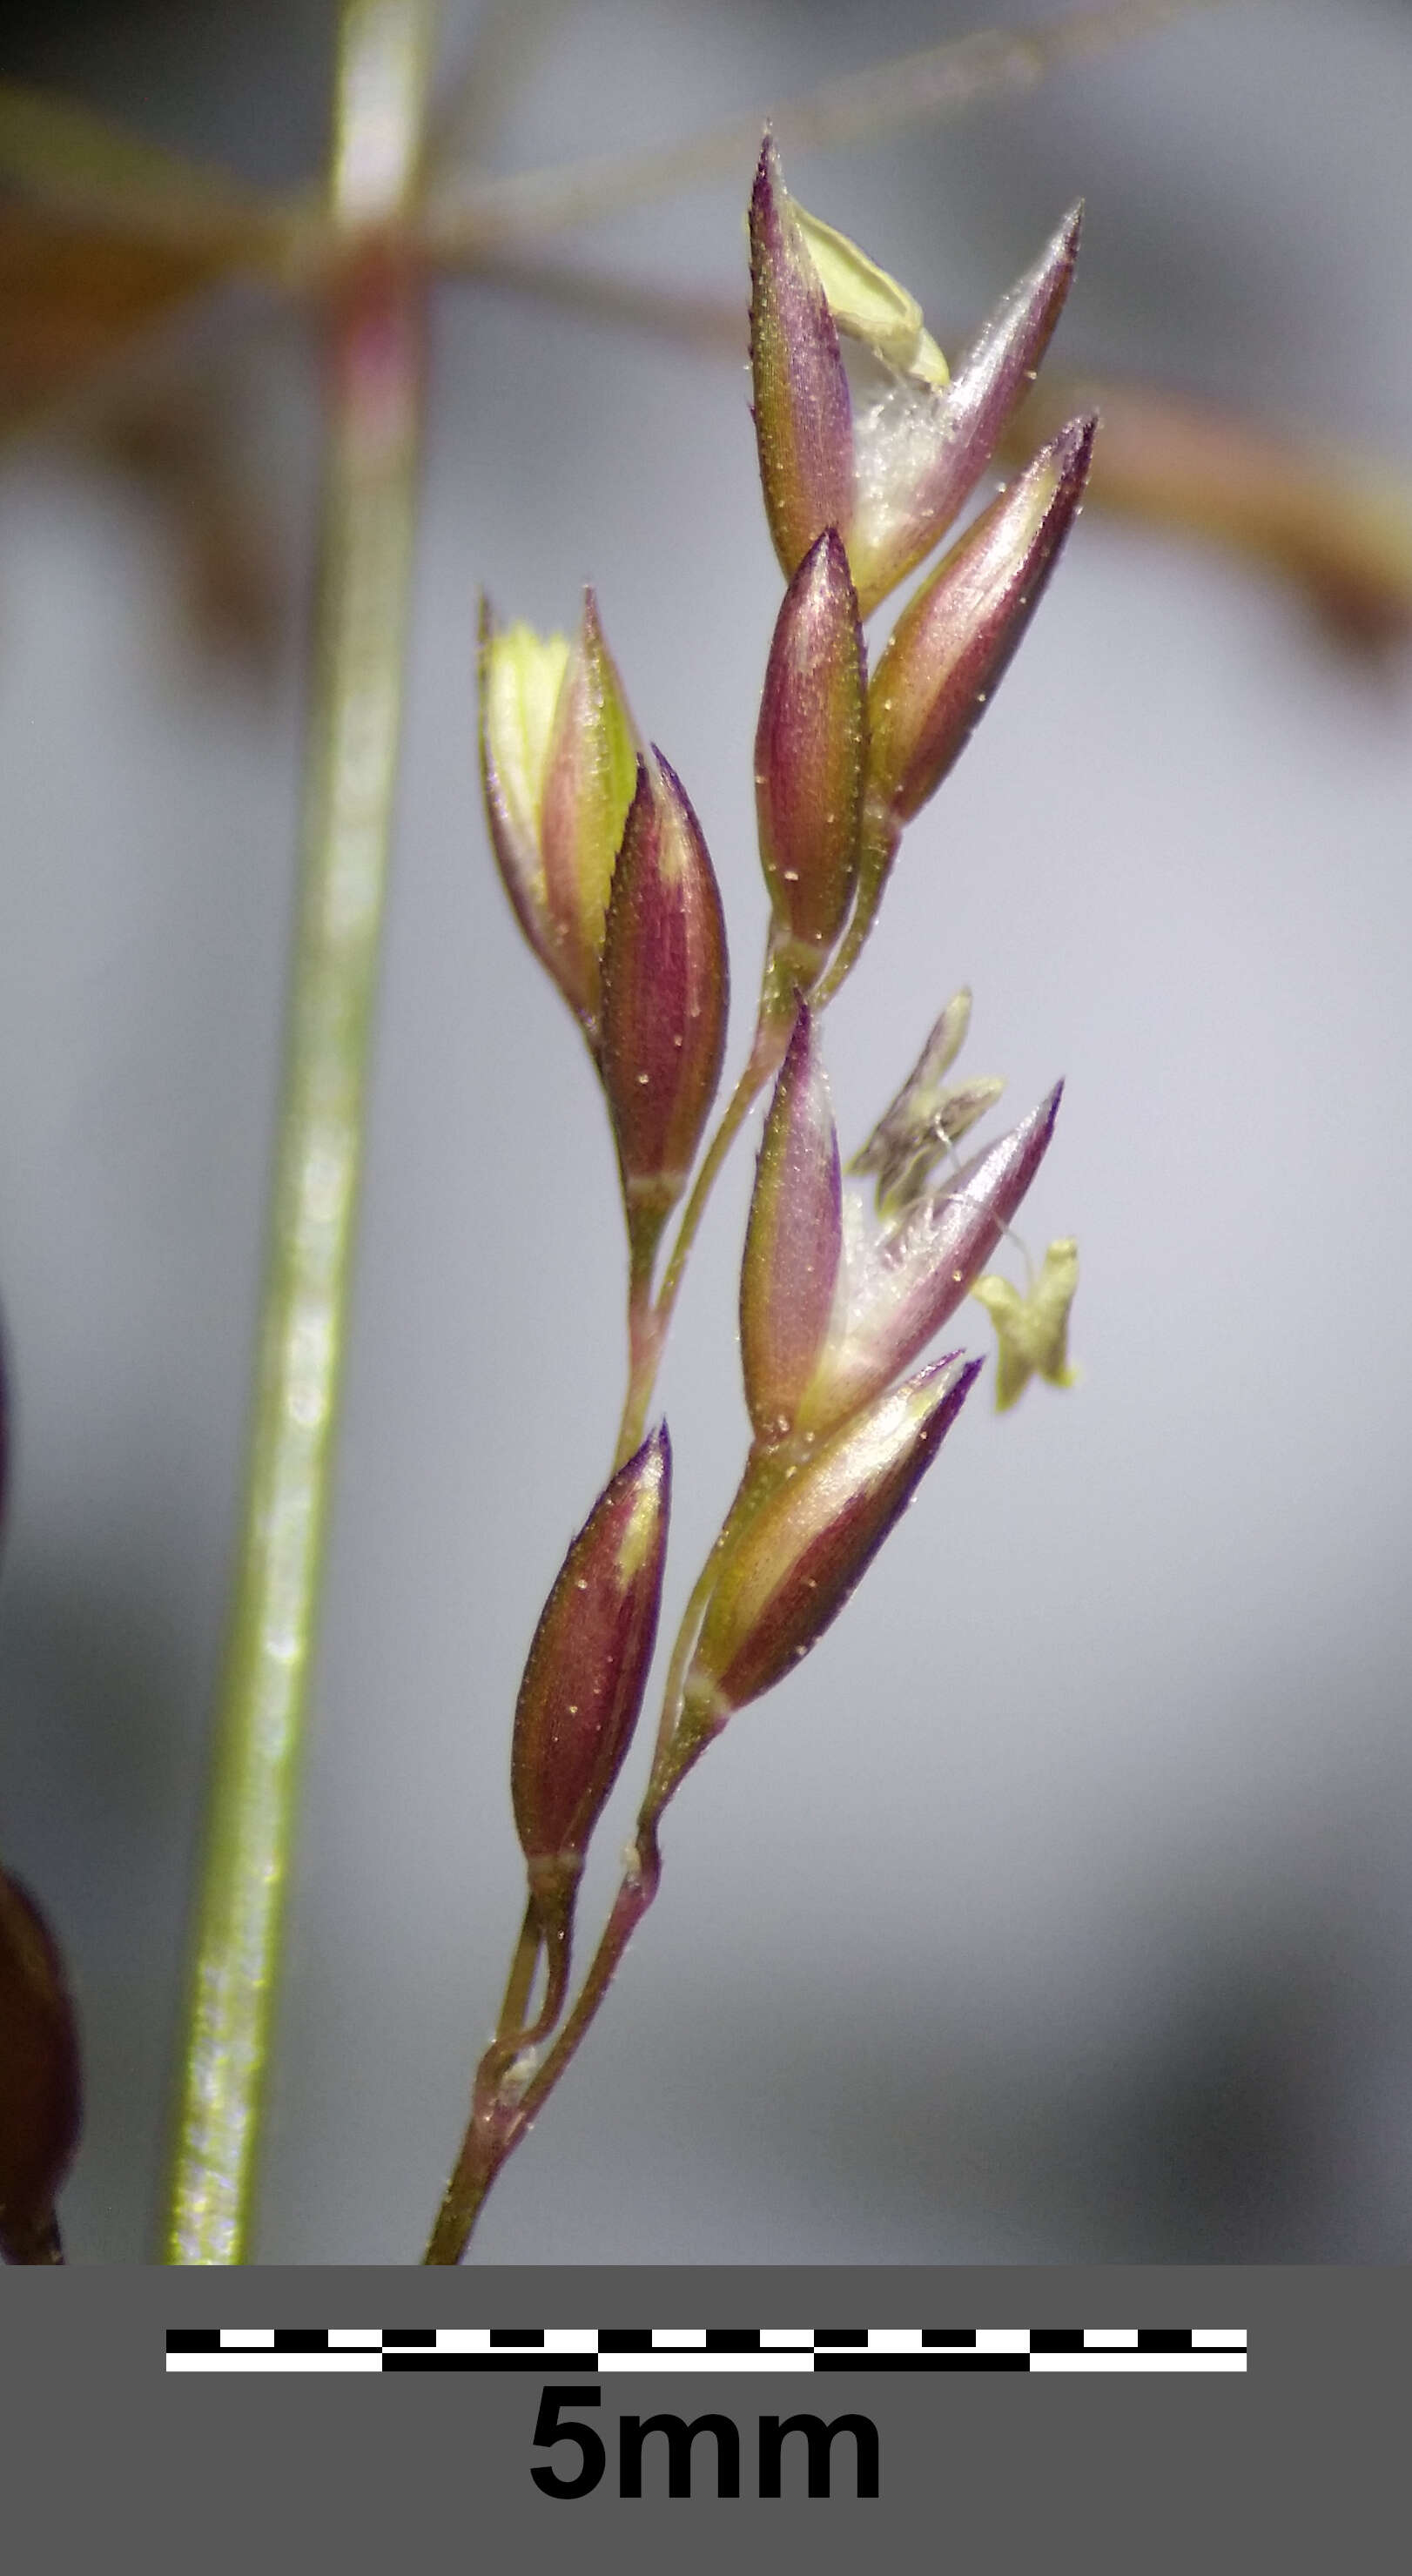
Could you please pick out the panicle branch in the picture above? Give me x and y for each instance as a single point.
(613, 887)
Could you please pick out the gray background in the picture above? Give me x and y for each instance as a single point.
(1058, 1910)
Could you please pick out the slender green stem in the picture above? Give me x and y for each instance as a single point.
(519, 1986)
(375, 384)
(771, 1038)
(645, 1339)
(515, 2030)
(881, 840)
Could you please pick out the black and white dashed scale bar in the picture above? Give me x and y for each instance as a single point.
(750, 2350)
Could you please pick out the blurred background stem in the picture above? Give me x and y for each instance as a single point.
(369, 509)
